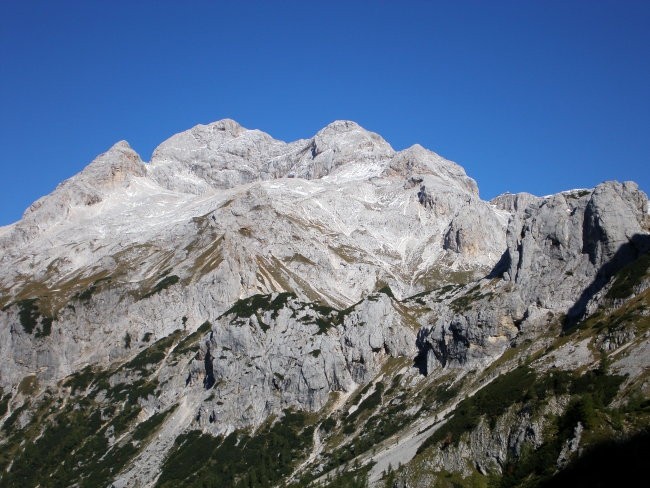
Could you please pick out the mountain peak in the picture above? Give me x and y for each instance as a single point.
(298, 260)
(122, 145)
(341, 126)
(347, 129)
(113, 166)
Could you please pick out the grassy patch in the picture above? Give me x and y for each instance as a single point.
(467, 300)
(628, 277)
(28, 385)
(30, 316)
(239, 460)
(163, 284)
(153, 354)
(190, 343)
(247, 307)
(151, 425)
(590, 395)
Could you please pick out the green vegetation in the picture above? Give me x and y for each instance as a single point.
(492, 400)
(370, 403)
(29, 315)
(441, 394)
(372, 426)
(386, 291)
(132, 392)
(609, 463)
(631, 315)
(87, 294)
(9, 423)
(323, 323)
(66, 443)
(239, 460)
(149, 426)
(46, 327)
(594, 389)
(69, 446)
(466, 301)
(80, 380)
(28, 385)
(153, 354)
(247, 307)
(190, 343)
(325, 317)
(354, 478)
(628, 277)
(577, 194)
(163, 284)
(328, 424)
(590, 394)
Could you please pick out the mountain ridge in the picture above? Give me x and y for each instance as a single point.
(236, 278)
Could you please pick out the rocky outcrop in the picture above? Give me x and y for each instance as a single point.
(236, 276)
(225, 212)
(561, 250)
(223, 155)
(108, 173)
(274, 352)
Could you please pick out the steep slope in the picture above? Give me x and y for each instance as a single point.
(159, 318)
(135, 237)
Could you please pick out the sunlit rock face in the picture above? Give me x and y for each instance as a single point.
(237, 276)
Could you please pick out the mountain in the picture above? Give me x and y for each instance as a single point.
(241, 311)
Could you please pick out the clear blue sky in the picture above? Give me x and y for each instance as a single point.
(536, 96)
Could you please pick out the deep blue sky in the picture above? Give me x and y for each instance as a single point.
(536, 96)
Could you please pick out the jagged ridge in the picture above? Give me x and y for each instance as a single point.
(236, 278)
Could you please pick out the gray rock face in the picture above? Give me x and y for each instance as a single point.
(229, 212)
(614, 215)
(514, 202)
(293, 252)
(432, 170)
(223, 155)
(561, 250)
(109, 172)
(474, 231)
(274, 352)
(574, 241)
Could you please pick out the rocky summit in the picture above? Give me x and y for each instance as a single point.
(245, 312)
